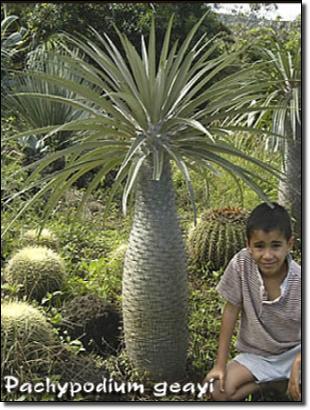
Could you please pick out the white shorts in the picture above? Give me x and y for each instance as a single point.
(275, 367)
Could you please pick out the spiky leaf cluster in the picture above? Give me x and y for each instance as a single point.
(36, 270)
(143, 106)
(217, 237)
(281, 72)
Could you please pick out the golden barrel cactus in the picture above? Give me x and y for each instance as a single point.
(219, 234)
(47, 238)
(36, 270)
(27, 339)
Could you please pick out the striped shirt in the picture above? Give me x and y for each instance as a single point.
(266, 327)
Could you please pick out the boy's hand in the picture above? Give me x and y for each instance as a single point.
(293, 384)
(217, 373)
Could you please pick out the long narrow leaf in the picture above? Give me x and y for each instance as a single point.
(131, 179)
(182, 167)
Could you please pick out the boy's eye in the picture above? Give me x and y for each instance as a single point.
(259, 246)
(273, 246)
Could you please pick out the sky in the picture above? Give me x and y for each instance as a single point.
(287, 11)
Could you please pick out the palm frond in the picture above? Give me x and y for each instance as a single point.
(282, 74)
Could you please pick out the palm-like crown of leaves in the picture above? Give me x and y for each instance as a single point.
(146, 107)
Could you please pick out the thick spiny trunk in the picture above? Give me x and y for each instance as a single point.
(155, 282)
(290, 188)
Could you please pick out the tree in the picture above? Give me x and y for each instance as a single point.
(144, 112)
(44, 20)
(276, 49)
(282, 71)
(266, 35)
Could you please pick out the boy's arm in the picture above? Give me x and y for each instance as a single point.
(293, 384)
(229, 319)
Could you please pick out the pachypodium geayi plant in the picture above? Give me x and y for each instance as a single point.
(144, 111)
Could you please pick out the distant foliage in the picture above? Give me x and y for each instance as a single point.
(45, 19)
(13, 38)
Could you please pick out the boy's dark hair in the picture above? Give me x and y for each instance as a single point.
(267, 218)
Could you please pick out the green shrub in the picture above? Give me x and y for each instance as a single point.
(27, 340)
(217, 237)
(46, 238)
(36, 270)
(102, 277)
(88, 240)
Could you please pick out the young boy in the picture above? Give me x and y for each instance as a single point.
(263, 283)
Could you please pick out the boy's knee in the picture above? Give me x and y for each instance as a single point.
(226, 395)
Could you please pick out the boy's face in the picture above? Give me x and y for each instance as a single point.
(269, 250)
